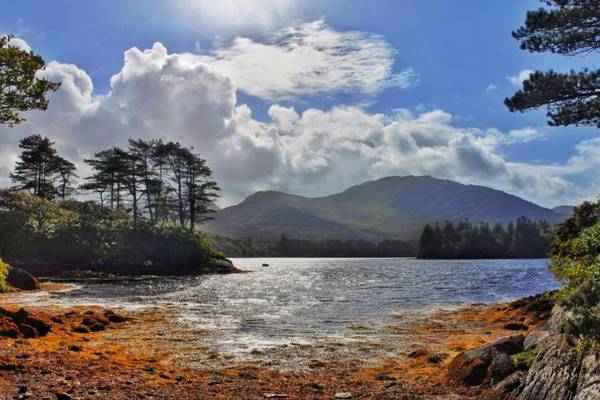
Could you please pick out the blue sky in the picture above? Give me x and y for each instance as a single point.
(455, 60)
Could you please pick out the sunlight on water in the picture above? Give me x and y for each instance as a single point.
(296, 299)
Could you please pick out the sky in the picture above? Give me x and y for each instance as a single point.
(306, 97)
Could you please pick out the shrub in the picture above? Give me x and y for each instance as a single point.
(85, 234)
(3, 275)
(576, 264)
(524, 360)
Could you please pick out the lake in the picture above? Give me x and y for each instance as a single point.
(296, 299)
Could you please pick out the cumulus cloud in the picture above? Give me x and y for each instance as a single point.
(19, 43)
(308, 59)
(517, 80)
(180, 97)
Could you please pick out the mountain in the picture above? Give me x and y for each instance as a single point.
(564, 210)
(393, 207)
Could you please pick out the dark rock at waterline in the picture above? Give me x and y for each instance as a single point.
(21, 279)
(104, 269)
(486, 364)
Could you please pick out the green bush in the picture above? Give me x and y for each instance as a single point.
(576, 264)
(3, 275)
(84, 235)
(524, 360)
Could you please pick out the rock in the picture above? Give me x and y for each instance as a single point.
(20, 316)
(21, 279)
(74, 348)
(95, 323)
(532, 340)
(508, 388)
(553, 375)
(114, 317)
(436, 358)
(418, 353)
(343, 395)
(588, 386)
(28, 331)
(485, 364)
(41, 324)
(501, 366)
(8, 328)
(515, 326)
(63, 396)
(221, 266)
(81, 329)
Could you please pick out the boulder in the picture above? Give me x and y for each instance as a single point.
(553, 375)
(508, 388)
(21, 279)
(486, 364)
(588, 385)
(533, 339)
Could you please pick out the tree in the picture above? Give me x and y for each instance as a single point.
(66, 174)
(567, 27)
(20, 88)
(165, 181)
(41, 170)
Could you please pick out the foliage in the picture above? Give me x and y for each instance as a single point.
(41, 170)
(568, 27)
(288, 247)
(576, 264)
(21, 89)
(240, 247)
(163, 181)
(524, 360)
(523, 239)
(88, 235)
(3, 274)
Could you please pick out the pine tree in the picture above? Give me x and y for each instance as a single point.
(567, 27)
(41, 170)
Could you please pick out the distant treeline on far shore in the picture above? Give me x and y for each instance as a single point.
(463, 240)
(520, 239)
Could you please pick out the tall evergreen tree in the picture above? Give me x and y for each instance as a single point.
(567, 27)
(41, 170)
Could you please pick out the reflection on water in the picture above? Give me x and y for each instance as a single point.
(296, 299)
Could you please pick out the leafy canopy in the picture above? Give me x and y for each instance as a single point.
(567, 27)
(20, 89)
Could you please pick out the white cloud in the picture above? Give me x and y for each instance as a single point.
(316, 152)
(491, 88)
(518, 79)
(310, 58)
(19, 43)
(228, 16)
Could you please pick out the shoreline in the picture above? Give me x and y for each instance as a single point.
(151, 355)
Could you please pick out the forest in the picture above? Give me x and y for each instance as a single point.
(150, 196)
(288, 247)
(466, 240)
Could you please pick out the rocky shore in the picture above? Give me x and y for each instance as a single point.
(482, 351)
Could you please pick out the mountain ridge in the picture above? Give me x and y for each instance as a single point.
(390, 207)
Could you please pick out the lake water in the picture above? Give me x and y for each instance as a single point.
(294, 299)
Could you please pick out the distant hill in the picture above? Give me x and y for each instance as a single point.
(393, 207)
(564, 210)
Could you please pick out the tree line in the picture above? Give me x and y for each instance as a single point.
(520, 239)
(152, 180)
(288, 247)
